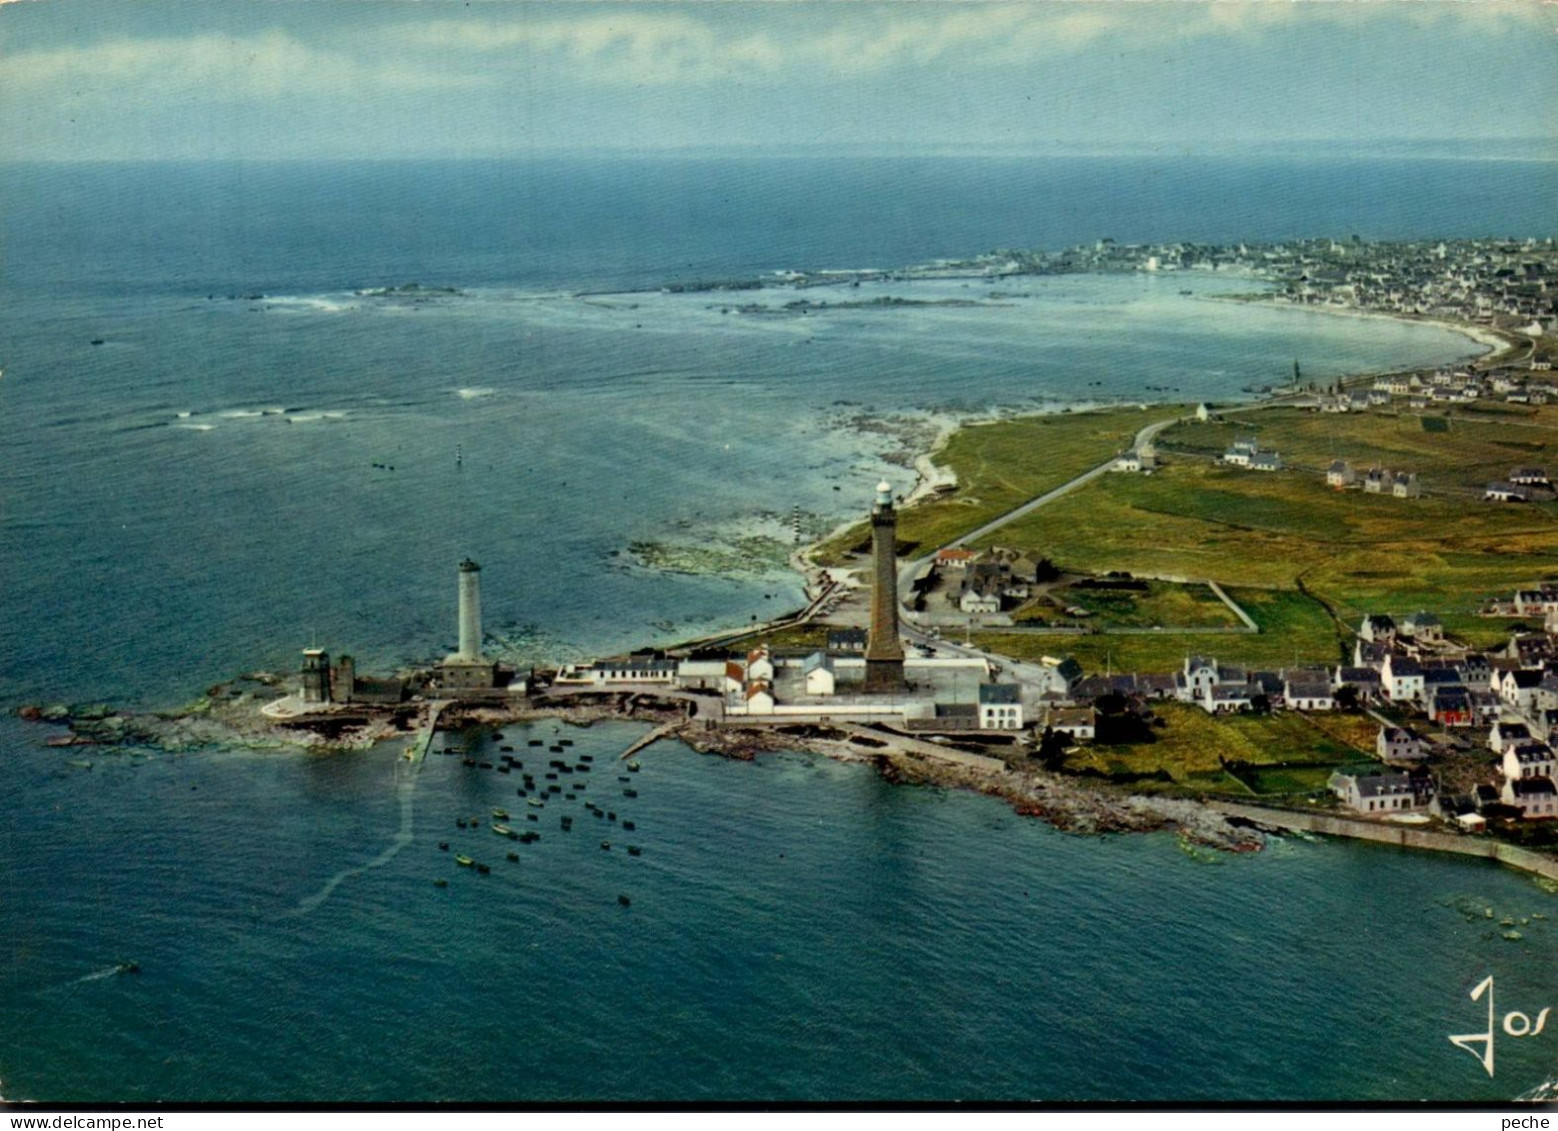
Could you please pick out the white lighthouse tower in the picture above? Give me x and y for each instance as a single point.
(470, 610)
(467, 669)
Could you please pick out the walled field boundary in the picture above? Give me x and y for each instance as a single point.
(1402, 836)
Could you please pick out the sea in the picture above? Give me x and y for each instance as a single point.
(253, 407)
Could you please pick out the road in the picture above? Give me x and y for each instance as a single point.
(907, 571)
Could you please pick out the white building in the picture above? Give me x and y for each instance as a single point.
(1000, 706)
(819, 674)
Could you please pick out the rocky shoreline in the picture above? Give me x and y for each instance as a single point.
(229, 716)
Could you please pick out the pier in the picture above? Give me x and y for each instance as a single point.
(417, 751)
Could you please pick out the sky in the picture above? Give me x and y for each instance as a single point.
(321, 79)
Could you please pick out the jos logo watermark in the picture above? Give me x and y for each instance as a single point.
(1516, 1024)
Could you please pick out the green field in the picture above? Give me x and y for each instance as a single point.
(1299, 751)
(1299, 550)
(1001, 465)
(1161, 603)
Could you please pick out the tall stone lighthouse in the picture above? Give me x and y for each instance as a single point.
(884, 651)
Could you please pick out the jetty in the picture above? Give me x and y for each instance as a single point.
(664, 730)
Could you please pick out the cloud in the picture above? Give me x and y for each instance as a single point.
(689, 44)
(703, 43)
(266, 65)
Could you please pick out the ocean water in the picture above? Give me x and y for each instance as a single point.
(797, 929)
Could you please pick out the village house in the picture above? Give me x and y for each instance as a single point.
(1506, 493)
(1451, 706)
(1529, 760)
(846, 641)
(1226, 699)
(1078, 723)
(1378, 629)
(1340, 474)
(1401, 678)
(1058, 679)
(760, 698)
(1518, 688)
(1398, 744)
(955, 557)
(1374, 789)
(1536, 798)
(1000, 706)
(695, 674)
(817, 670)
(1506, 734)
(1529, 601)
(1475, 671)
(760, 664)
(1365, 681)
(1308, 694)
(1529, 477)
(1240, 452)
(1405, 485)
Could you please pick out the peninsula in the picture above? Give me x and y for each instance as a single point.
(1323, 609)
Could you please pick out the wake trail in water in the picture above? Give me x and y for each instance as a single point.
(407, 792)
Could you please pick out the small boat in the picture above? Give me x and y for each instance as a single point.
(468, 761)
(497, 736)
(443, 846)
(634, 850)
(565, 742)
(586, 757)
(483, 869)
(610, 816)
(459, 822)
(555, 749)
(501, 830)
(513, 858)
(554, 789)
(634, 766)
(536, 802)
(630, 793)
(567, 823)
(624, 900)
(623, 777)
(97, 341)
(501, 814)
(534, 742)
(130, 967)
(629, 825)
(532, 817)
(475, 822)
(485, 765)
(582, 768)
(606, 845)
(463, 860)
(503, 769)
(440, 882)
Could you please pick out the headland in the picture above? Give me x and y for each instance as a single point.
(1159, 606)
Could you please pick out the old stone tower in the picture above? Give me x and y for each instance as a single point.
(884, 651)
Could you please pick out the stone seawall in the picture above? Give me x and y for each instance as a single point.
(1402, 836)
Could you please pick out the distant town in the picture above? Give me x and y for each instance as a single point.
(1498, 283)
